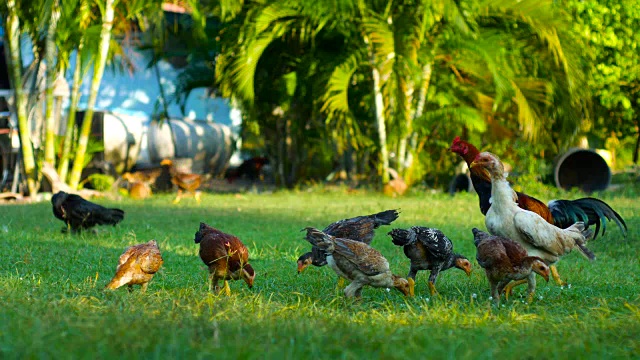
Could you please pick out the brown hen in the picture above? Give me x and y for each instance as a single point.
(186, 183)
(225, 255)
(359, 263)
(136, 266)
(505, 260)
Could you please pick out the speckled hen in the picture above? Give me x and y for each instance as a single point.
(359, 263)
(428, 249)
(360, 228)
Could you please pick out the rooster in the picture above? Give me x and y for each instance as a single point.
(540, 238)
(561, 213)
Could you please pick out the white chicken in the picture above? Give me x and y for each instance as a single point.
(538, 237)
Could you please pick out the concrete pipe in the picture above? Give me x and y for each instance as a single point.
(582, 168)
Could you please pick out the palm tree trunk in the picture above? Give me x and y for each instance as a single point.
(636, 149)
(12, 29)
(63, 166)
(380, 122)
(98, 70)
(422, 97)
(49, 138)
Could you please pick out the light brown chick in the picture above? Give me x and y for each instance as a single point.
(136, 266)
(225, 255)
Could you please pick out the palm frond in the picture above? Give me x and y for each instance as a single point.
(195, 76)
(466, 116)
(336, 97)
(244, 67)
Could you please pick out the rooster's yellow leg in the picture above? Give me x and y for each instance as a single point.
(556, 276)
(144, 287)
(226, 288)
(432, 288)
(530, 297)
(340, 281)
(510, 286)
(178, 197)
(197, 196)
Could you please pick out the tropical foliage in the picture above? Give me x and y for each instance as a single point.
(341, 88)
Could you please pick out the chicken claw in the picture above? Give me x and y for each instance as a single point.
(226, 288)
(510, 286)
(412, 287)
(556, 276)
(432, 288)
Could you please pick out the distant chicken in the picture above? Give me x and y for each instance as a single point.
(561, 213)
(429, 249)
(148, 176)
(80, 214)
(361, 228)
(186, 183)
(505, 260)
(136, 266)
(250, 168)
(139, 184)
(538, 237)
(140, 190)
(225, 255)
(359, 263)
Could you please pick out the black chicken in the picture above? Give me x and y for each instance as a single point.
(359, 228)
(80, 214)
(429, 249)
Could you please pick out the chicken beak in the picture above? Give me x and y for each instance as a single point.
(301, 266)
(546, 277)
(412, 287)
(474, 164)
(468, 271)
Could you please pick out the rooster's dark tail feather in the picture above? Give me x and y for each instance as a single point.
(589, 210)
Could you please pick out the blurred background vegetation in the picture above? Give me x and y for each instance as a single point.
(345, 90)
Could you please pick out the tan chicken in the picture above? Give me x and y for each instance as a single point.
(505, 260)
(225, 255)
(540, 238)
(148, 176)
(136, 266)
(139, 183)
(186, 183)
(359, 263)
(140, 190)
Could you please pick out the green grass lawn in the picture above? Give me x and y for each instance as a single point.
(52, 304)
